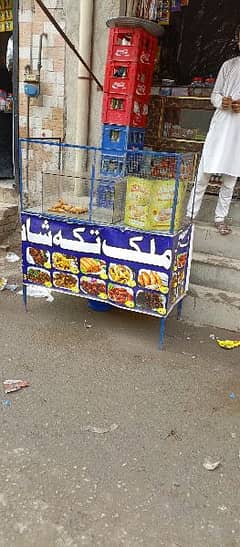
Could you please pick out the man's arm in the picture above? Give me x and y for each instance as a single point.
(218, 99)
(9, 55)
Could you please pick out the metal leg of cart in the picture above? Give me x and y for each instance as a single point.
(162, 331)
(25, 296)
(179, 309)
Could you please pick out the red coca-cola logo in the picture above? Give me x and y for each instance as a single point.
(122, 52)
(119, 85)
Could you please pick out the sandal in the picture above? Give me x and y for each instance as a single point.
(223, 228)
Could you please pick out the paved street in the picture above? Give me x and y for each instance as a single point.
(106, 447)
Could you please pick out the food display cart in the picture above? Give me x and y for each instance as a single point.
(106, 223)
(112, 239)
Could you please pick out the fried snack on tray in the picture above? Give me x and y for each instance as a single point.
(93, 287)
(120, 295)
(152, 280)
(39, 276)
(39, 256)
(91, 265)
(65, 281)
(65, 262)
(146, 279)
(150, 300)
(120, 273)
(62, 207)
(181, 260)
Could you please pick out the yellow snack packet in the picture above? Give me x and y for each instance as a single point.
(229, 344)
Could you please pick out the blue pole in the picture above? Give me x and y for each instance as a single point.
(20, 173)
(162, 331)
(25, 296)
(92, 182)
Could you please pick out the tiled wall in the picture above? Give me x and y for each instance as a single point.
(46, 111)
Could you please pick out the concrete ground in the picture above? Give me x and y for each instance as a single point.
(64, 482)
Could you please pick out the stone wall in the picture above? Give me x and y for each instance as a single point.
(8, 220)
(46, 111)
(53, 114)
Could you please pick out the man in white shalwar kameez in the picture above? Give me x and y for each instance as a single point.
(221, 151)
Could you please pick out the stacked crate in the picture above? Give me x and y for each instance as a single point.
(127, 88)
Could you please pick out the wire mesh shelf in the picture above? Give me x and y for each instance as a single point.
(141, 189)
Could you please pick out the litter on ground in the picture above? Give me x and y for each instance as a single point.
(38, 292)
(14, 385)
(211, 466)
(12, 257)
(3, 283)
(228, 344)
(7, 402)
(100, 430)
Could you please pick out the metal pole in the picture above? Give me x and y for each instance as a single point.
(162, 331)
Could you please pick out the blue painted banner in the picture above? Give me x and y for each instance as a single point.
(144, 272)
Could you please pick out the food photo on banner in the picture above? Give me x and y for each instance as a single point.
(144, 272)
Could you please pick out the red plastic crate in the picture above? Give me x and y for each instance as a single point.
(130, 44)
(128, 78)
(125, 110)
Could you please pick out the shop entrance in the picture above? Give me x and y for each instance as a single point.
(6, 90)
(198, 38)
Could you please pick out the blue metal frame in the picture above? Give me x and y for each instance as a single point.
(93, 170)
(162, 332)
(127, 166)
(58, 144)
(25, 296)
(126, 138)
(175, 199)
(20, 173)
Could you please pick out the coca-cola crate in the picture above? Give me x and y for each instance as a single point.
(113, 164)
(120, 138)
(125, 110)
(128, 78)
(131, 44)
(111, 193)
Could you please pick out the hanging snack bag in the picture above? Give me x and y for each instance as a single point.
(137, 202)
(162, 202)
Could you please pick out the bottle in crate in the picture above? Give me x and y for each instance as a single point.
(105, 193)
(113, 164)
(132, 44)
(125, 110)
(109, 203)
(128, 78)
(120, 138)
